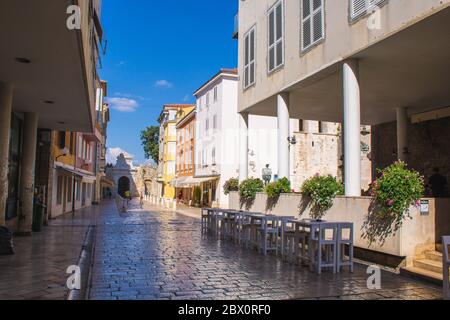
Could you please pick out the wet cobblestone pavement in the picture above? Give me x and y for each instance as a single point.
(157, 254)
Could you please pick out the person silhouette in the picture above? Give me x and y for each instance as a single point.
(438, 184)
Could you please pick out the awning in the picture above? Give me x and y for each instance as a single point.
(199, 180)
(178, 182)
(68, 170)
(85, 177)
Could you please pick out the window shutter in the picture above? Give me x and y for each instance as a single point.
(361, 7)
(313, 26)
(358, 7)
(317, 26)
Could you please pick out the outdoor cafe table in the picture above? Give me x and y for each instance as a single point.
(311, 226)
(208, 219)
(260, 221)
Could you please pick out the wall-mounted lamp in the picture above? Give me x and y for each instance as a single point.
(292, 140)
(64, 153)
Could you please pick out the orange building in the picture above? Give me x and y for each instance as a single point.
(185, 159)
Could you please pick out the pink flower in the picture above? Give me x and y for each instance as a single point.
(390, 202)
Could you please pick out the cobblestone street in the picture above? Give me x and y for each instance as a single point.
(157, 254)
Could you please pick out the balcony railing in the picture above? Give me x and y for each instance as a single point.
(236, 27)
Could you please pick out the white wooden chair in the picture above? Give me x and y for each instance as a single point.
(446, 263)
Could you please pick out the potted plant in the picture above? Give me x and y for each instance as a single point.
(275, 189)
(321, 191)
(248, 190)
(231, 185)
(395, 191)
(197, 196)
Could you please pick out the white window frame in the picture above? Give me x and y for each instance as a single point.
(310, 17)
(247, 66)
(276, 42)
(369, 6)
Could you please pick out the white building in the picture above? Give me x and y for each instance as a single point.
(353, 62)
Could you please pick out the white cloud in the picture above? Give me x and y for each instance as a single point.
(187, 98)
(163, 84)
(123, 104)
(113, 153)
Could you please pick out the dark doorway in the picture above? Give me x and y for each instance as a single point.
(123, 186)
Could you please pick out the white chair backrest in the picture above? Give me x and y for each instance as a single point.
(446, 249)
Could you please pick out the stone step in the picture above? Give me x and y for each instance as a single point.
(429, 265)
(422, 274)
(434, 256)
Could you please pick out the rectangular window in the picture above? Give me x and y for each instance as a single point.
(359, 8)
(276, 36)
(69, 190)
(213, 154)
(207, 99)
(71, 143)
(77, 188)
(62, 140)
(207, 127)
(215, 122)
(80, 147)
(215, 94)
(249, 57)
(313, 22)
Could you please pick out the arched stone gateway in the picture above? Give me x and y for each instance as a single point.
(139, 180)
(123, 186)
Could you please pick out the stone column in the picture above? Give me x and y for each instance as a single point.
(283, 135)
(6, 96)
(27, 173)
(243, 146)
(402, 133)
(352, 129)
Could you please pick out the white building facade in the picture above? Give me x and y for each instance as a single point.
(218, 138)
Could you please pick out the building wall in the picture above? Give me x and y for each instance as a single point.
(428, 146)
(343, 39)
(185, 145)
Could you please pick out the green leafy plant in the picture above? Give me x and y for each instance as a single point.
(197, 195)
(249, 188)
(275, 189)
(394, 193)
(231, 185)
(322, 190)
(150, 142)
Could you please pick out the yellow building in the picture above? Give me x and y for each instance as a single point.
(168, 149)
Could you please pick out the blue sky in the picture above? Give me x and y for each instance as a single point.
(160, 52)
